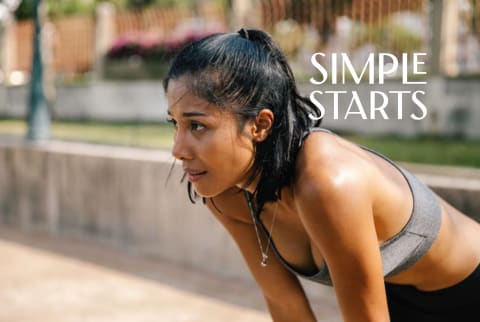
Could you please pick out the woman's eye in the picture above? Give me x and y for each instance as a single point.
(173, 122)
(197, 126)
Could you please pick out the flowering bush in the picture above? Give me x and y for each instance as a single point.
(138, 45)
(151, 48)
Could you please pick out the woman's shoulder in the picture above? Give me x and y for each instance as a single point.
(335, 188)
(332, 167)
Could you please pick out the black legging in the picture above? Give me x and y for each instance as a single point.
(458, 303)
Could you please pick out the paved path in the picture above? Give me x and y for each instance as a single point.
(53, 279)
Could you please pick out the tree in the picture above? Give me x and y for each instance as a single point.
(57, 8)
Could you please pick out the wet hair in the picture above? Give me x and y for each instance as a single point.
(247, 72)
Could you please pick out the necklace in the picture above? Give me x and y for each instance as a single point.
(256, 220)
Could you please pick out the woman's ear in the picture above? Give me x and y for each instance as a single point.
(263, 125)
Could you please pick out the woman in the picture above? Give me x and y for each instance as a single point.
(327, 209)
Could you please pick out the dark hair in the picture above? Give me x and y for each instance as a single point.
(247, 72)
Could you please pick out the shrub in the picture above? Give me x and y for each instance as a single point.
(150, 48)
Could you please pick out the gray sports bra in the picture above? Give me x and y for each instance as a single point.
(402, 250)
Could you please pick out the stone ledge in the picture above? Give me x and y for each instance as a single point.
(443, 170)
(120, 194)
(460, 186)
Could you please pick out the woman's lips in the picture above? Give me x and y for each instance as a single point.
(194, 175)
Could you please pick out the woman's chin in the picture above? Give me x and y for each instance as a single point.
(207, 192)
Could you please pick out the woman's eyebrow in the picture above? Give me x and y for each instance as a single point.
(191, 114)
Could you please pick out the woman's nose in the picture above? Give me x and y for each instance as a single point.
(180, 149)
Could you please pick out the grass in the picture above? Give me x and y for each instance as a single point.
(430, 150)
(148, 135)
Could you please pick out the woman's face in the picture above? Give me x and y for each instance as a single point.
(215, 153)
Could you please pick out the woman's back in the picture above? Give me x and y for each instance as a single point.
(392, 204)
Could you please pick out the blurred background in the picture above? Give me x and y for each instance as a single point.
(103, 62)
(90, 198)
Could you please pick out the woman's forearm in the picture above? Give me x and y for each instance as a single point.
(285, 311)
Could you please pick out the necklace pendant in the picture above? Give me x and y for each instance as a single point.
(264, 260)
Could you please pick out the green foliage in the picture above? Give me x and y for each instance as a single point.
(429, 150)
(148, 135)
(387, 36)
(424, 149)
(65, 8)
(24, 10)
(140, 3)
(57, 8)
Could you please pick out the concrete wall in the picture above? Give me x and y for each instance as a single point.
(117, 101)
(452, 105)
(114, 194)
(121, 195)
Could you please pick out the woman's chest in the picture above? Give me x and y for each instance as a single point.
(287, 236)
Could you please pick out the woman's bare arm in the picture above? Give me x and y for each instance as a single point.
(283, 292)
(335, 205)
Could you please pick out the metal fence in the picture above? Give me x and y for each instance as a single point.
(72, 39)
(300, 26)
(395, 26)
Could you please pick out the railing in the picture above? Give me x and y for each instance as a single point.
(73, 38)
(341, 25)
(394, 26)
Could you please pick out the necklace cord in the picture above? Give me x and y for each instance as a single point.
(256, 220)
